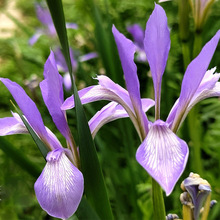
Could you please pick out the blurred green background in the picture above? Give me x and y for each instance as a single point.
(129, 186)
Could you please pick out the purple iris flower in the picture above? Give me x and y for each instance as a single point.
(45, 18)
(162, 153)
(59, 188)
(138, 35)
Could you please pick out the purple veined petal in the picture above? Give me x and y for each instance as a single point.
(59, 188)
(157, 46)
(27, 106)
(88, 56)
(71, 25)
(35, 37)
(137, 33)
(194, 74)
(52, 92)
(111, 112)
(163, 155)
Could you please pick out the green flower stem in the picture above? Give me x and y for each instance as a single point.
(197, 43)
(195, 135)
(187, 213)
(195, 128)
(186, 54)
(158, 202)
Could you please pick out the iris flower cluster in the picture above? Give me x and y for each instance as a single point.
(161, 153)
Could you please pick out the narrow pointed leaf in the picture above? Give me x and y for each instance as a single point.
(95, 189)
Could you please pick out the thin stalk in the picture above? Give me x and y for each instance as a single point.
(193, 117)
(197, 42)
(158, 202)
(186, 54)
(195, 135)
(187, 213)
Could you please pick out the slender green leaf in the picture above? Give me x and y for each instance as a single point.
(85, 211)
(106, 44)
(19, 158)
(95, 189)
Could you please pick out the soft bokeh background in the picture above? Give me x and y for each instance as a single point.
(129, 186)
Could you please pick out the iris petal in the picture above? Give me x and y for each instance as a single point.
(195, 73)
(27, 106)
(52, 92)
(59, 188)
(126, 50)
(209, 87)
(157, 46)
(163, 155)
(111, 112)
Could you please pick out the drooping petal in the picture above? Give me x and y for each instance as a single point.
(195, 73)
(111, 112)
(163, 155)
(52, 92)
(27, 106)
(126, 50)
(11, 125)
(157, 46)
(59, 188)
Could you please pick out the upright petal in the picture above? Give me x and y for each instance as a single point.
(157, 46)
(195, 73)
(52, 92)
(27, 106)
(163, 155)
(59, 188)
(126, 50)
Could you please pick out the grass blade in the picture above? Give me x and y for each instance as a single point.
(95, 189)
